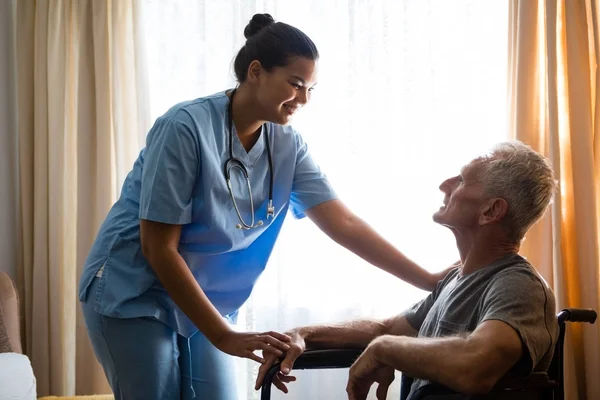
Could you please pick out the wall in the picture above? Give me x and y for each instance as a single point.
(8, 143)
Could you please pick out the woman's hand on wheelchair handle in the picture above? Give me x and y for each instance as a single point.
(297, 347)
(244, 344)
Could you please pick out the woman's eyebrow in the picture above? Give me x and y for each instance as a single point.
(300, 79)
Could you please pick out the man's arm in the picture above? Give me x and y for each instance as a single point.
(354, 333)
(350, 334)
(471, 364)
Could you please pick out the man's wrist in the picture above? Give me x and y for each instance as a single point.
(381, 346)
(304, 332)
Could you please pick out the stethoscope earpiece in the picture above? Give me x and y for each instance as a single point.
(235, 163)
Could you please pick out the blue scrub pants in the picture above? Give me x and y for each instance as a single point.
(145, 359)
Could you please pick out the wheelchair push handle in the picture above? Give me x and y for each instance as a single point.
(577, 315)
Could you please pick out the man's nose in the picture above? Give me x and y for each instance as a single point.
(448, 185)
(445, 186)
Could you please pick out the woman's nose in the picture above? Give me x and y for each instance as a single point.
(302, 96)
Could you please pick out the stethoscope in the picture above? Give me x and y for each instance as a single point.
(233, 162)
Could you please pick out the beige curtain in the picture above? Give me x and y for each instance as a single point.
(82, 111)
(554, 106)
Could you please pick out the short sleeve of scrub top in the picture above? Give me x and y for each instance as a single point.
(310, 186)
(169, 174)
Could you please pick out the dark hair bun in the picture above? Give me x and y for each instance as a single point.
(257, 23)
(272, 44)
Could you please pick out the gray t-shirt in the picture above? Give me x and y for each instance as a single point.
(509, 290)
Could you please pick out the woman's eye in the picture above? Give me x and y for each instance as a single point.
(311, 89)
(296, 86)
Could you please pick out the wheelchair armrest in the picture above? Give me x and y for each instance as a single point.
(577, 315)
(329, 358)
(313, 359)
(534, 381)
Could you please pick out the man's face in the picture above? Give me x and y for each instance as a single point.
(463, 200)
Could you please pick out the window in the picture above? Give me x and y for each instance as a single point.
(408, 92)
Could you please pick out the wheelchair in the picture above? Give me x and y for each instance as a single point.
(539, 385)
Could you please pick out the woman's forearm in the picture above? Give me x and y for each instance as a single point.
(179, 282)
(366, 243)
(350, 231)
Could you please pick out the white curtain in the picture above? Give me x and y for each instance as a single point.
(408, 92)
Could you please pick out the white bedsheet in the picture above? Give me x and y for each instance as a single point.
(17, 381)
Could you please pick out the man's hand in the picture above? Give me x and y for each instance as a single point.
(280, 378)
(297, 347)
(367, 370)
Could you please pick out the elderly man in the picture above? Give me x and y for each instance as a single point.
(491, 316)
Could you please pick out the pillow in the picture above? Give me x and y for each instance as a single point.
(16, 377)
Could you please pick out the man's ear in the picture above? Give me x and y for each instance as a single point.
(494, 211)
(255, 70)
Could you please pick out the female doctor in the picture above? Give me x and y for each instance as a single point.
(199, 213)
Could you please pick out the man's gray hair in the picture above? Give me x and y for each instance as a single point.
(524, 179)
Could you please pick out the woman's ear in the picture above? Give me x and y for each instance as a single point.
(255, 71)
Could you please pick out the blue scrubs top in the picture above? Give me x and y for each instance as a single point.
(178, 179)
